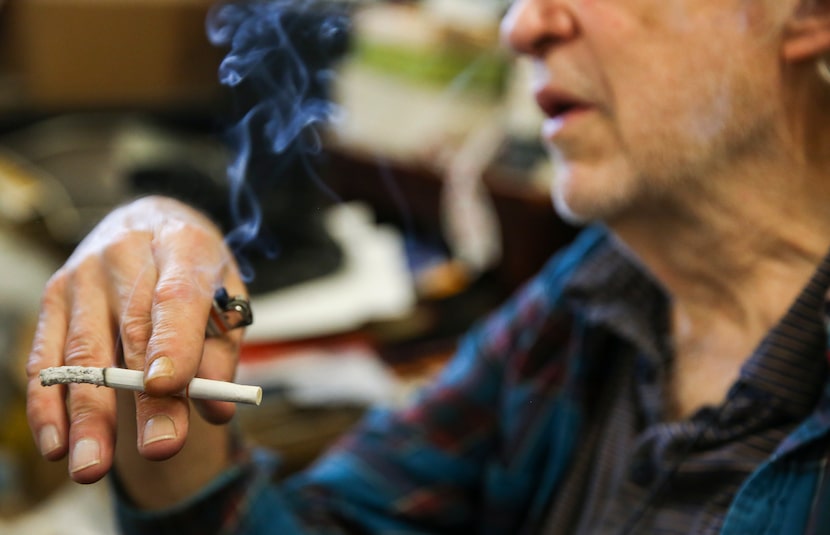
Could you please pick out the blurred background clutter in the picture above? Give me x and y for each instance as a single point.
(375, 166)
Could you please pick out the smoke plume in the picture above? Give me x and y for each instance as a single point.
(278, 68)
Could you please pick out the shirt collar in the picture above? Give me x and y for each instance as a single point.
(612, 291)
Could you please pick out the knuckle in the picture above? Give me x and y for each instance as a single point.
(190, 231)
(116, 250)
(177, 288)
(144, 398)
(54, 290)
(38, 352)
(89, 404)
(37, 408)
(84, 412)
(135, 331)
(34, 363)
(80, 269)
(206, 232)
(171, 230)
(83, 350)
(123, 244)
(170, 335)
(147, 405)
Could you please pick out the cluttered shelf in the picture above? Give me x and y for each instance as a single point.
(413, 195)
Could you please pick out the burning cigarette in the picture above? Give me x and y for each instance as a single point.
(134, 380)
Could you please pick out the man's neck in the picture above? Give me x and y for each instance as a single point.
(733, 262)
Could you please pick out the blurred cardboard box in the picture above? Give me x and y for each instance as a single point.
(105, 53)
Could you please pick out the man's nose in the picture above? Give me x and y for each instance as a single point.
(532, 26)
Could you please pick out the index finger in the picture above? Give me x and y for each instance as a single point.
(189, 271)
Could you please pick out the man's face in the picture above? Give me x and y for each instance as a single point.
(644, 98)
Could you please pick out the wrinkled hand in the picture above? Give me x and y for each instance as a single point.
(140, 285)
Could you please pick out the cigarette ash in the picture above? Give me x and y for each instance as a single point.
(62, 375)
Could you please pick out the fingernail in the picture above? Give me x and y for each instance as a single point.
(158, 428)
(161, 367)
(86, 453)
(48, 439)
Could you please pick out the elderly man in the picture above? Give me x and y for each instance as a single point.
(667, 373)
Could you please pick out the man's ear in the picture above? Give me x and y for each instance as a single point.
(807, 35)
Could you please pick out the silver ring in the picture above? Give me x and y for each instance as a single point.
(228, 313)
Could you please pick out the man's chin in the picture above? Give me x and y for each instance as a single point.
(584, 194)
(572, 202)
(568, 215)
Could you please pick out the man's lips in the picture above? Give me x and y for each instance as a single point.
(557, 104)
